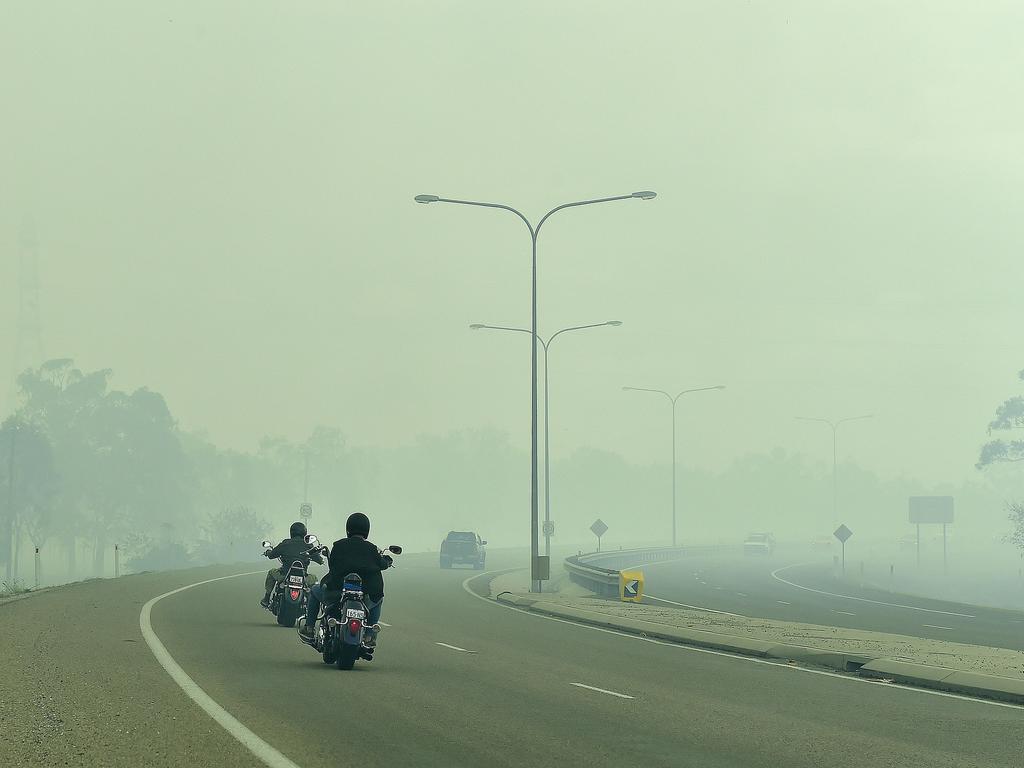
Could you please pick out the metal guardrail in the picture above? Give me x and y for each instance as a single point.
(588, 571)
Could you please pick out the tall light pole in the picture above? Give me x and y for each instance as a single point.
(534, 233)
(835, 428)
(547, 433)
(673, 400)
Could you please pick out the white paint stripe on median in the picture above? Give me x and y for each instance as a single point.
(257, 746)
(777, 571)
(694, 607)
(454, 647)
(601, 690)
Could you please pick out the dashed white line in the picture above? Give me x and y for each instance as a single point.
(935, 626)
(383, 623)
(454, 647)
(845, 613)
(782, 602)
(777, 571)
(742, 594)
(601, 690)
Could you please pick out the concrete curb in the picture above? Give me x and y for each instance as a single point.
(905, 672)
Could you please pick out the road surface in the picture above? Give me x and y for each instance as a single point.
(459, 681)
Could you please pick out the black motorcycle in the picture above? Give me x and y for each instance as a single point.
(290, 595)
(342, 635)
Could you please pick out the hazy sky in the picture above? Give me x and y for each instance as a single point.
(222, 197)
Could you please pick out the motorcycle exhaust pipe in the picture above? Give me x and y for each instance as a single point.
(332, 622)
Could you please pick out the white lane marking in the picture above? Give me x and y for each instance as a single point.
(741, 594)
(735, 656)
(719, 587)
(257, 746)
(775, 575)
(935, 626)
(783, 602)
(383, 623)
(601, 690)
(454, 647)
(694, 607)
(845, 613)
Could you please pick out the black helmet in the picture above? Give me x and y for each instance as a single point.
(357, 524)
(297, 531)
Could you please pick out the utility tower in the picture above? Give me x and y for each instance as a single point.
(28, 350)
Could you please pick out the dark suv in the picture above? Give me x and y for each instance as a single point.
(463, 548)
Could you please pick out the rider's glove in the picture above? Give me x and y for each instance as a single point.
(389, 560)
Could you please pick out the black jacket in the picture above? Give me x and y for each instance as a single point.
(294, 549)
(355, 554)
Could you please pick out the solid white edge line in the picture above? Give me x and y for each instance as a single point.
(257, 746)
(775, 575)
(602, 690)
(736, 656)
(935, 626)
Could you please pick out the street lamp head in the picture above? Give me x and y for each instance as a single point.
(477, 326)
(645, 195)
(614, 322)
(427, 198)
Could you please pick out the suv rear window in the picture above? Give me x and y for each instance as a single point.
(461, 536)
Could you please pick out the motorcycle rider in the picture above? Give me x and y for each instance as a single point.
(353, 554)
(291, 549)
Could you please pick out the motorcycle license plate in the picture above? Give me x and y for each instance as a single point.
(354, 613)
(294, 579)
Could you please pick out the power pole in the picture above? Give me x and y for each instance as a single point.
(28, 351)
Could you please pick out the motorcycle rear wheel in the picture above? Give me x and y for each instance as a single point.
(347, 656)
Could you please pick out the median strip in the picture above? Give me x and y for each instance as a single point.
(993, 673)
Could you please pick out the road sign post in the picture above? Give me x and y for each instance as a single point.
(599, 529)
(843, 533)
(936, 510)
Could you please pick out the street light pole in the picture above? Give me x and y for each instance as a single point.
(673, 400)
(547, 432)
(534, 233)
(834, 425)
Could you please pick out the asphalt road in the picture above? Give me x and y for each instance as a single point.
(785, 586)
(458, 681)
(462, 682)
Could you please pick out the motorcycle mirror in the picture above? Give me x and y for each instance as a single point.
(394, 548)
(483, 542)
(311, 540)
(266, 545)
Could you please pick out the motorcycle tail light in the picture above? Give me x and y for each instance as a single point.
(295, 594)
(353, 626)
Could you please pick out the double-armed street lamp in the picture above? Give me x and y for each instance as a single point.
(535, 566)
(546, 343)
(835, 428)
(673, 399)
